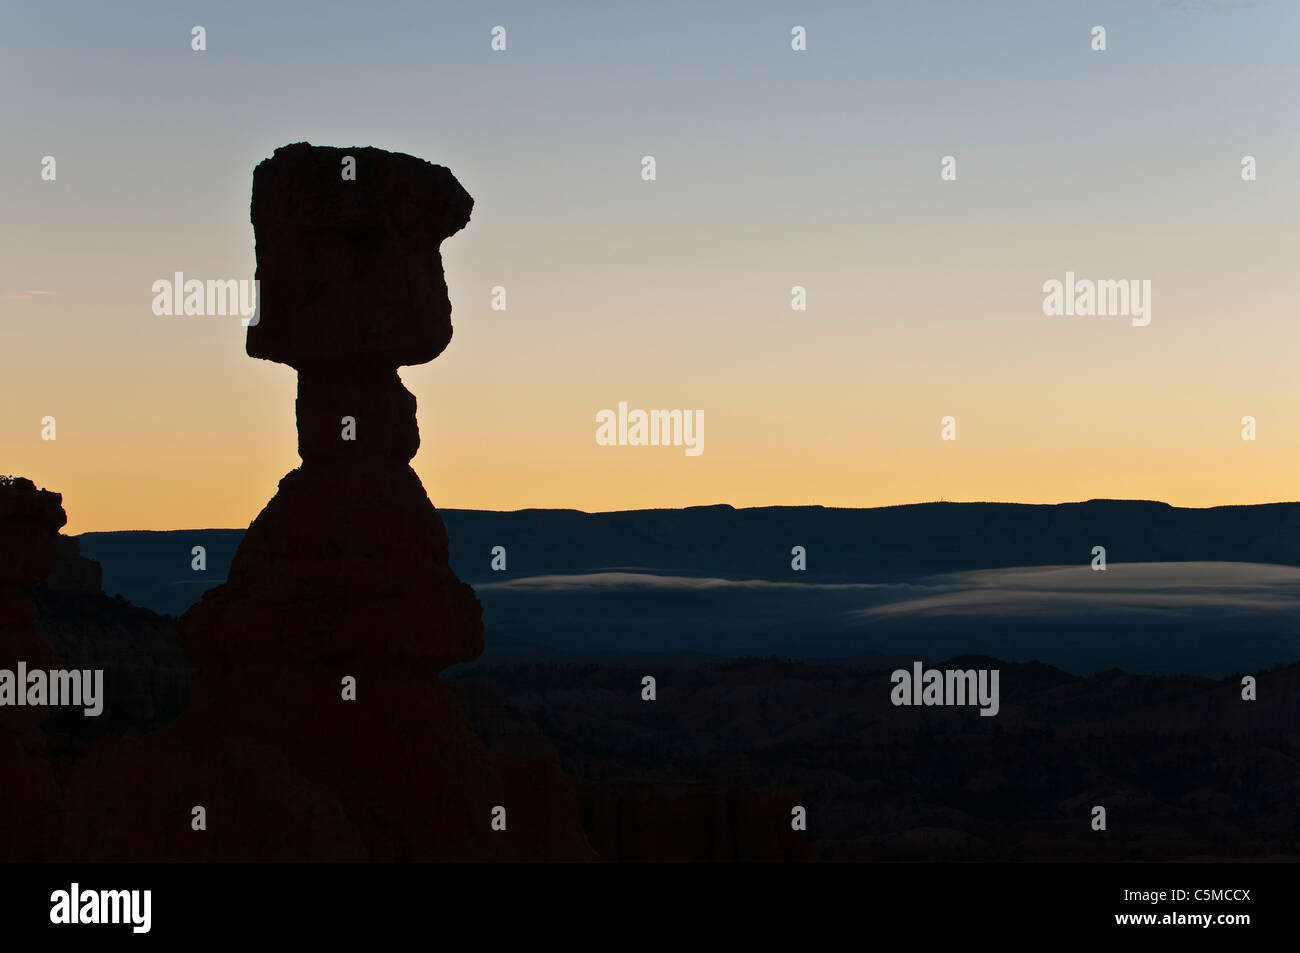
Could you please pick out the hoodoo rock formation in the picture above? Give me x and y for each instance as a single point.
(350, 552)
(318, 728)
(29, 527)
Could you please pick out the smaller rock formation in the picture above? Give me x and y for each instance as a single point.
(73, 572)
(29, 524)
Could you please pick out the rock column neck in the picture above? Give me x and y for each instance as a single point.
(348, 414)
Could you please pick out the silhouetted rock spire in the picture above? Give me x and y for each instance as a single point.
(342, 578)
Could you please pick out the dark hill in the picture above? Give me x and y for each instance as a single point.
(153, 568)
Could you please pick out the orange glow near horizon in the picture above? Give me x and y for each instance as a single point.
(775, 169)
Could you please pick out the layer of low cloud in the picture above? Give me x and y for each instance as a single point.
(1131, 587)
(1171, 587)
(610, 581)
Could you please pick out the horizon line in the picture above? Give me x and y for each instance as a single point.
(740, 509)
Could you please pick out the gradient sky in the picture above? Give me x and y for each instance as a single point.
(775, 168)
